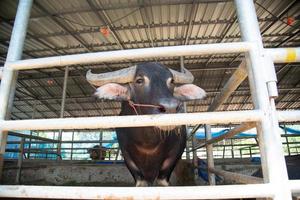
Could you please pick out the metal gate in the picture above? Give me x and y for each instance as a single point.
(258, 66)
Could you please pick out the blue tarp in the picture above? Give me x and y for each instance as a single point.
(110, 145)
(202, 171)
(290, 130)
(201, 134)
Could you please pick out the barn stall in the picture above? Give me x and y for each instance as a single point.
(243, 53)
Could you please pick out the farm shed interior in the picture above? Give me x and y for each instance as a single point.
(72, 27)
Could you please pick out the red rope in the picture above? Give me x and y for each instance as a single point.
(134, 105)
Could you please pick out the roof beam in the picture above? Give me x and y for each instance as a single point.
(63, 26)
(268, 44)
(46, 90)
(280, 15)
(21, 111)
(106, 20)
(288, 39)
(29, 89)
(6, 44)
(225, 32)
(120, 6)
(141, 26)
(190, 21)
(147, 25)
(30, 35)
(287, 69)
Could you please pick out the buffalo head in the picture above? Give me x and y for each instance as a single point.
(148, 83)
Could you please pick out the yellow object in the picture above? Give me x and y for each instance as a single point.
(291, 55)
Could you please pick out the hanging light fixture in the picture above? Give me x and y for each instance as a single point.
(105, 31)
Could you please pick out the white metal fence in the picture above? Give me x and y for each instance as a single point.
(262, 80)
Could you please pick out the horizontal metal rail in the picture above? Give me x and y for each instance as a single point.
(65, 141)
(133, 121)
(284, 55)
(32, 137)
(47, 149)
(247, 145)
(189, 192)
(295, 185)
(130, 54)
(243, 147)
(229, 134)
(39, 151)
(283, 116)
(238, 178)
(288, 116)
(278, 55)
(144, 120)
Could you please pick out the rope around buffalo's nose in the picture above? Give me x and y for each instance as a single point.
(134, 105)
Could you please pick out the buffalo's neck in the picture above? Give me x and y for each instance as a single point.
(147, 135)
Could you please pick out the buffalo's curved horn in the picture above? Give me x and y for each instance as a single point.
(121, 76)
(182, 77)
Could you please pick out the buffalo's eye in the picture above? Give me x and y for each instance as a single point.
(172, 81)
(139, 81)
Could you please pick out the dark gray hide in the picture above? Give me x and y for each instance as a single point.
(150, 153)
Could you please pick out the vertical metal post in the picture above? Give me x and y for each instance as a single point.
(100, 138)
(54, 145)
(20, 161)
(195, 157)
(224, 150)
(210, 156)
(32, 117)
(72, 144)
(241, 155)
(232, 148)
(29, 146)
(9, 78)
(273, 162)
(287, 140)
(187, 148)
(101, 143)
(117, 154)
(184, 110)
(62, 110)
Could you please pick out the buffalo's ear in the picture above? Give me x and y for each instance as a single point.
(189, 92)
(113, 91)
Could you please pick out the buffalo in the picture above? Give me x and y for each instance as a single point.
(97, 152)
(150, 153)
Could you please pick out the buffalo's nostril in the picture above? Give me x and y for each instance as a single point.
(168, 105)
(162, 109)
